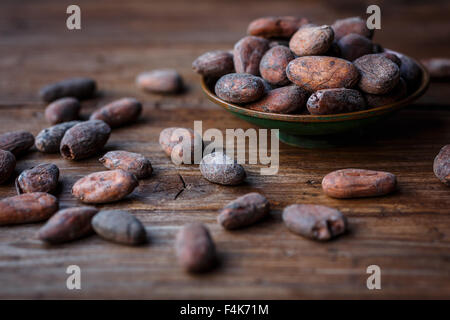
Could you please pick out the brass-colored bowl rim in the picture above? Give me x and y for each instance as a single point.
(323, 118)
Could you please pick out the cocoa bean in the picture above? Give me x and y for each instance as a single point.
(248, 53)
(275, 27)
(333, 101)
(62, 110)
(217, 167)
(309, 41)
(410, 72)
(439, 68)
(346, 26)
(42, 178)
(214, 64)
(7, 165)
(396, 94)
(119, 112)
(353, 46)
(16, 142)
(134, 163)
(175, 140)
(49, 139)
(290, 99)
(239, 88)
(441, 165)
(80, 88)
(379, 75)
(166, 81)
(273, 65)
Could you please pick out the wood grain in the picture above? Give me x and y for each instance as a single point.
(407, 233)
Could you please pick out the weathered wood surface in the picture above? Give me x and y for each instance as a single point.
(407, 233)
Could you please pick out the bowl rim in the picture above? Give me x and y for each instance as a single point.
(323, 118)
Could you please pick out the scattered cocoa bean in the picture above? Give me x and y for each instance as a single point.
(119, 226)
(27, 207)
(239, 88)
(16, 142)
(49, 139)
(441, 165)
(166, 81)
(119, 112)
(244, 211)
(352, 46)
(311, 41)
(7, 165)
(273, 65)
(105, 186)
(248, 53)
(62, 110)
(134, 163)
(355, 183)
(214, 64)
(396, 94)
(84, 139)
(175, 140)
(195, 248)
(346, 26)
(275, 27)
(333, 101)
(290, 99)
(68, 225)
(379, 75)
(217, 167)
(314, 221)
(42, 178)
(439, 68)
(80, 88)
(320, 72)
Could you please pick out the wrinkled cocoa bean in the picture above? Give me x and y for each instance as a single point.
(7, 165)
(80, 88)
(273, 65)
(248, 53)
(166, 81)
(16, 142)
(441, 165)
(119, 112)
(84, 139)
(346, 26)
(333, 101)
(311, 41)
(68, 225)
(105, 186)
(275, 27)
(195, 248)
(439, 68)
(42, 178)
(314, 221)
(120, 227)
(244, 211)
(319, 72)
(353, 46)
(175, 140)
(214, 64)
(49, 139)
(355, 183)
(217, 167)
(290, 99)
(239, 88)
(379, 75)
(134, 163)
(393, 57)
(396, 94)
(27, 207)
(62, 110)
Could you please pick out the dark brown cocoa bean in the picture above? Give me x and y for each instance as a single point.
(290, 99)
(49, 139)
(346, 26)
(314, 221)
(217, 167)
(134, 163)
(120, 227)
(80, 88)
(273, 65)
(309, 41)
(275, 27)
(244, 211)
(439, 68)
(62, 110)
(410, 72)
(175, 140)
(27, 208)
(214, 64)
(320, 72)
(105, 186)
(333, 101)
(396, 94)
(379, 75)
(166, 81)
(7, 165)
(16, 142)
(195, 248)
(42, 178)
(239, 88)
(334, 50)
(356, 183)
(248, 53)
(84, 139)
(68, 225)
(119, 112)
(441, 165)
(352, 46)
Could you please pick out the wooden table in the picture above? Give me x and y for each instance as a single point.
(407, 233)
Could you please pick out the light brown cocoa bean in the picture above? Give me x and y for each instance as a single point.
(166, 81)
(290, 99)
(134, 163)
(118, 113)
(248, 53)
(275, 27)
(62, 110)
(309, 41)
(346, 26)
(214, 64)
(441, 165)
(273, 65)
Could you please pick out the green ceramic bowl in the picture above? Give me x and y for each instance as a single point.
(317, 130)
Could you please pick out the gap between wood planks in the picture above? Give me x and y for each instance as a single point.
(182, 189)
